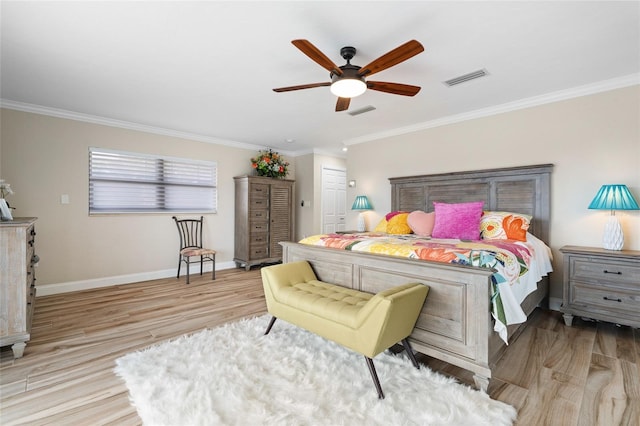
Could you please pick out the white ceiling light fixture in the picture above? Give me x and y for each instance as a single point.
(349, 84)
(346, 85)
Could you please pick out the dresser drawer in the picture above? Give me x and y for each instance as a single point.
(258, 228)
(259, 196)
(258, 238)
(259, 204)
(605, 271)
(609, 298)
(259, 215)
(257, 251)
(259, 190)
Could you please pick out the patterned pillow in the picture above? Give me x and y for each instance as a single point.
(461, 220)
(504, 226)
(421, 223)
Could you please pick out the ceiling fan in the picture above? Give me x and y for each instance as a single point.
(348, 81)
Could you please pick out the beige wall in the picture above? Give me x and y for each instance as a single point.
(591, 141)
(44, 157)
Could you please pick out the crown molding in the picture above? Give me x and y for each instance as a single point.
(93, 119)
(585, 90)
(561, 95)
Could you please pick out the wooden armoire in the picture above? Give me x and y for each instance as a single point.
(265, 215)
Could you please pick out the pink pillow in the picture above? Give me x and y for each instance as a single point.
(421, 223)
(461, 221)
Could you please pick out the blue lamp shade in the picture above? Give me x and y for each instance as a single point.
(614, 197)
(361, 203)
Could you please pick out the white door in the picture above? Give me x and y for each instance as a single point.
(334, 200)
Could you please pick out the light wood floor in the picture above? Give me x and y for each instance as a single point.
(587, 374)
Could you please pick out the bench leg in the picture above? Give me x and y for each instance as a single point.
(273, 319)
(374, 376)
(409, 351)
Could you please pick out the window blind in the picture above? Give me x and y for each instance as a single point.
(127, 182)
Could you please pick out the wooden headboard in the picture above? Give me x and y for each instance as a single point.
(525, 189)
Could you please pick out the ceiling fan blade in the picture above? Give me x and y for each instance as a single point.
(342, 104)
(302, 86)
(317, 56)
(395, 88)
(394, 57)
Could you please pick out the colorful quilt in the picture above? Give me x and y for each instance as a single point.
(518, 265)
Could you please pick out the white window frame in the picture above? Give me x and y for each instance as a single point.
(123, 182)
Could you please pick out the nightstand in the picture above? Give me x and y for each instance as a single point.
(601, 284)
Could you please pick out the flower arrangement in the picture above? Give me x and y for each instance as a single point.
(5, 189)
(269, 163)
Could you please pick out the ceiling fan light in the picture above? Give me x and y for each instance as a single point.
(348, 87)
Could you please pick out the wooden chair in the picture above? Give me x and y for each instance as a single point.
(190, 231)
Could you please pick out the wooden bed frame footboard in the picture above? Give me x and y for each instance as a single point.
(455, 324)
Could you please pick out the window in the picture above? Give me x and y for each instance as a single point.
(127, 182)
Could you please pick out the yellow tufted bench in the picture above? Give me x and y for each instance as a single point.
(363, 322)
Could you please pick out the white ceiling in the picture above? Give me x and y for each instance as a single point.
(207, 68)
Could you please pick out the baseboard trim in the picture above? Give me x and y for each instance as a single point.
(67, 287)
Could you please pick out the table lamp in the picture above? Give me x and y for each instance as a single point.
(613, 197)
(361, 203)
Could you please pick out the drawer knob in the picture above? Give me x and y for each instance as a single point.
(613, 300)
(611, 272)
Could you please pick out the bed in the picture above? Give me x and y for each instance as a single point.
(456, 324)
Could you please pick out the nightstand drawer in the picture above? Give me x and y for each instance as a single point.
(600, 271)
(609, 298)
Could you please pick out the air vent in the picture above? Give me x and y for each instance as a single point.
(466, 77)
(362, 110)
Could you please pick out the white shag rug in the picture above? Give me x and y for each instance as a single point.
(234, 375)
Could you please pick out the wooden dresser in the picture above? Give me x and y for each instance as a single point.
(601, 284)
(264, 216)
(17, 282)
